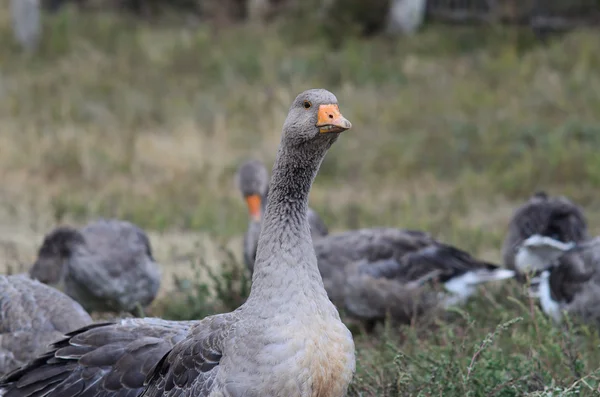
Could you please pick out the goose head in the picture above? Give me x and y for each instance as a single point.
(57, 247)
(253, 181)
(314, 118)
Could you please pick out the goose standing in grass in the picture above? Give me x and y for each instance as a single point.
(571, 283)
(253, 181)
(286, 340)
(105, 266)
(539, 229)
(33, 315)
(370, 272)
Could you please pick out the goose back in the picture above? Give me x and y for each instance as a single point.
(371, 272)
(106, 266)
(32, 315)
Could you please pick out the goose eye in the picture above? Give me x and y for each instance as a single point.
(307, 105)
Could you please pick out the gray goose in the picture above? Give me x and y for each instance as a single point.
(571, 283)
(372, 272)
(33, 315)
(540, 230)
(105, 266)
(252, 179)
(285, 340)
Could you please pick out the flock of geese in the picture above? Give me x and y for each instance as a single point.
(287, 339)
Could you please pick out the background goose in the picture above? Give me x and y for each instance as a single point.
(33, 315)
(571, 283)
(371, 300)
(252, 179)
(285, 340)
(556, 218)
(106, 266)
(371, 271)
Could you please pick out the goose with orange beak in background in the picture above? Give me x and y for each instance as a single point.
(252, 179)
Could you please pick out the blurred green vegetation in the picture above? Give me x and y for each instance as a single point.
(453, 127)
(146, 119)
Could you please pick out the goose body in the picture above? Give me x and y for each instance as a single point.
(571, 283)
(252, 179)
(551, 219)
(285, 340)
(370, 272)
(105, 266)
(33, 315)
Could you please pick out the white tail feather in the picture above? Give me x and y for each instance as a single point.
(465, 285)
(549, 305)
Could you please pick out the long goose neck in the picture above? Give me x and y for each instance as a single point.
(285, 257)
(288, 196)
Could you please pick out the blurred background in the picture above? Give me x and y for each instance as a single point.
(142, 110)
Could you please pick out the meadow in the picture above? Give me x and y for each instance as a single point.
(452, 129)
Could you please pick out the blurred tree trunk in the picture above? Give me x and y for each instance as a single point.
(26, 23)
(405, 16)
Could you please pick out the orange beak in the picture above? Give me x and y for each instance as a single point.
(254, 209)
(331, 120)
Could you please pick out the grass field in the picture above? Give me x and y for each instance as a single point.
(453, 128)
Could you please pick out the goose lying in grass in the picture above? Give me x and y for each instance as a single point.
(33, 315)
(554, 220)
(286, 340)
(370, 272)
(253, 182)
(571, 283)
(105, 266)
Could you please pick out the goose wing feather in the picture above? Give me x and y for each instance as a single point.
(190, 368)
(404, 255)
(371, 245)
(101, 360)
(443, 260)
